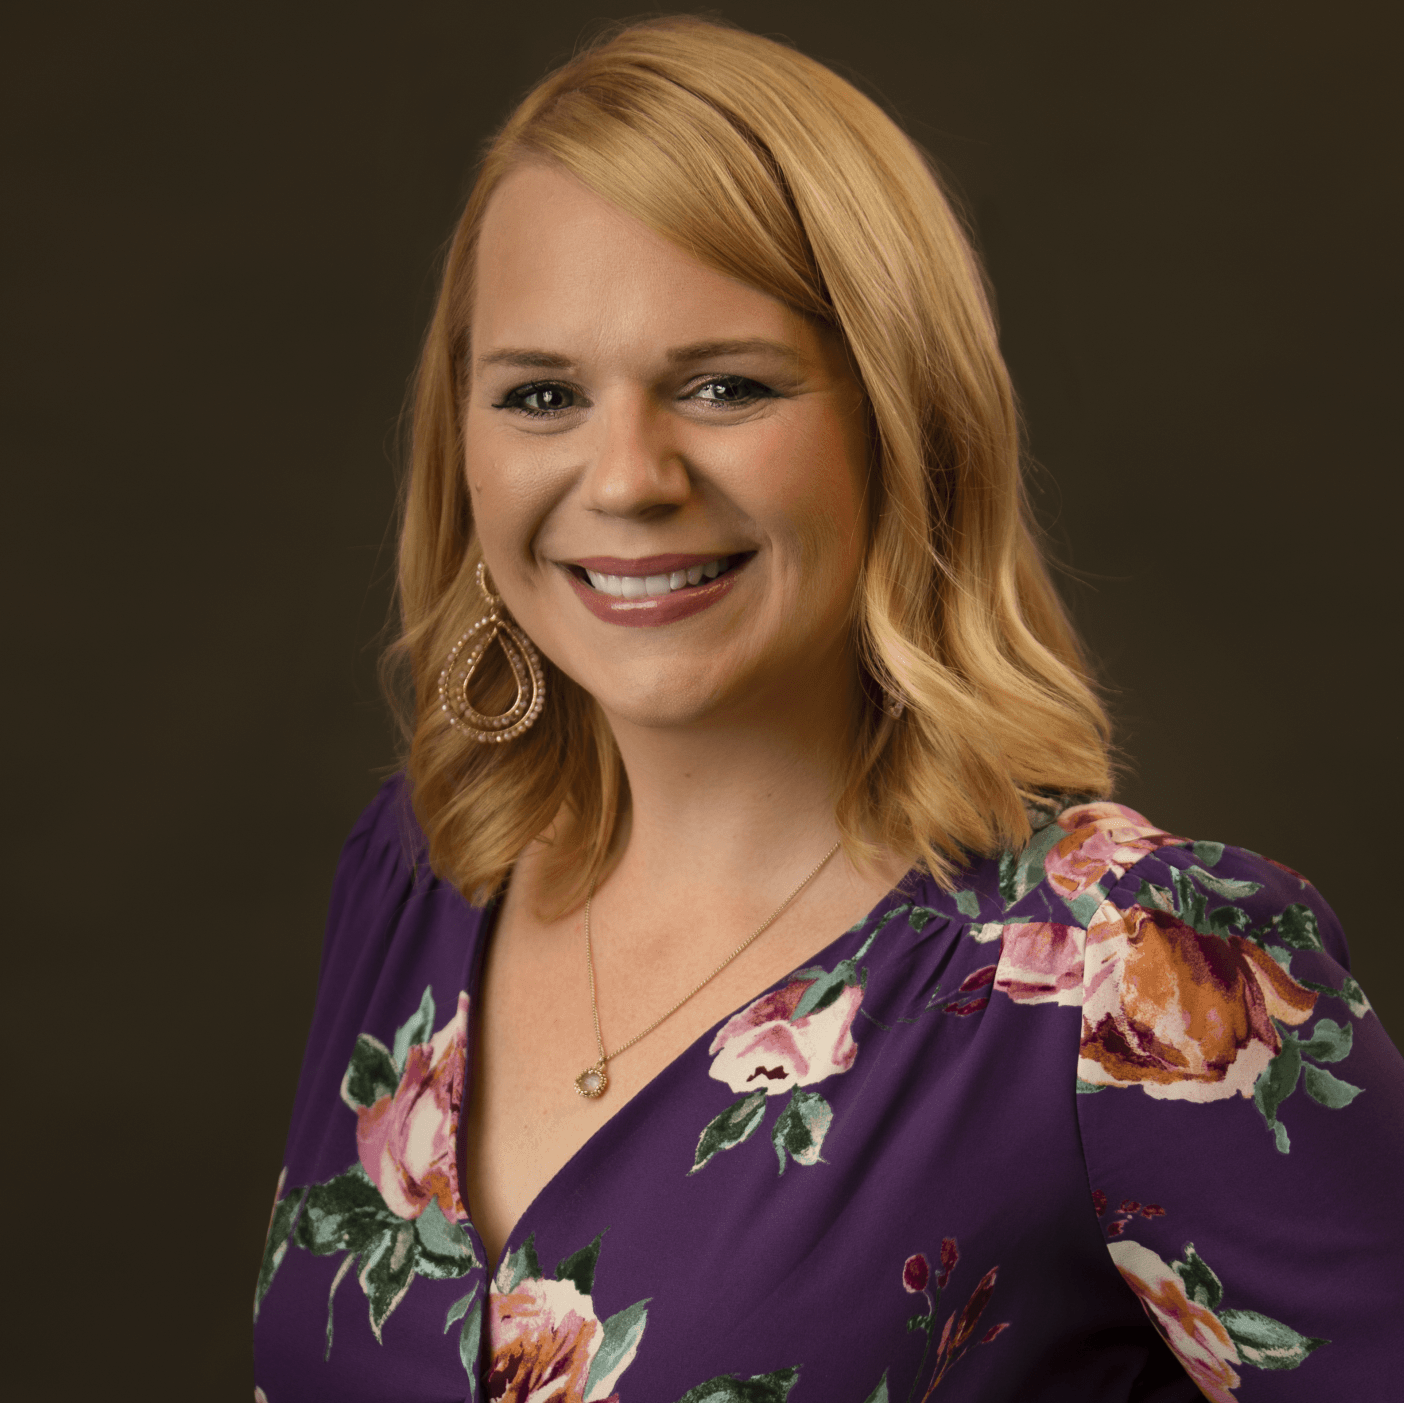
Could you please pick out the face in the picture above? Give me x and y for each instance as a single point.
(667, 467)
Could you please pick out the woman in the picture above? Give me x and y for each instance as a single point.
(749, 989)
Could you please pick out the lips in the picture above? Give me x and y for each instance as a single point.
(653, 590)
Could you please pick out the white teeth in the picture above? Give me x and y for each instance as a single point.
(606, 584)
(649, 586)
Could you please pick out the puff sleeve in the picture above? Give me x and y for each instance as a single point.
(1242, 1117)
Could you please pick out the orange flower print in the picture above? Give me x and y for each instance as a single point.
(1101, 838)
(405, 1139)
(1195, 1334)
(1182, 1015)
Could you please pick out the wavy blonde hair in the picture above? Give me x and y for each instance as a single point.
(768, 167)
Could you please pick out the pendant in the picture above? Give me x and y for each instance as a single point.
(592, 1082)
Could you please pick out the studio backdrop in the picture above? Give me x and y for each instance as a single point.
(224, 225)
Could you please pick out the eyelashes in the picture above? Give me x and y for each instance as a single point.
(554, 398)
(548, 399)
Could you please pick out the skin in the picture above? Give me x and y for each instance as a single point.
(675, 410)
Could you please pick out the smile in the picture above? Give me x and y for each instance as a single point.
(638, 586)
(655, 590)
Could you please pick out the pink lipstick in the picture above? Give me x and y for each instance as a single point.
(649, 591)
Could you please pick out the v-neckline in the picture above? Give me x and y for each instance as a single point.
(907, 890)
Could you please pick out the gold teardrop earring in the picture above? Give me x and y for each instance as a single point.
(521, 656)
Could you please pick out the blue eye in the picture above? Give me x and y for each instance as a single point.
(539, 400)
(731, 389)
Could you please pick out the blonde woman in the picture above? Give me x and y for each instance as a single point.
(750, 990)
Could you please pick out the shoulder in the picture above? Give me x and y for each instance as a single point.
(383, 860)
(1103, 903)
(1085, 854)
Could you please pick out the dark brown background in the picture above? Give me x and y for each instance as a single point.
(222, 223)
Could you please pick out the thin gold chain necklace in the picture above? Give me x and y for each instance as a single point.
(594, 1081)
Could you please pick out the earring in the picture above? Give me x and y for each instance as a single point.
(523, 659)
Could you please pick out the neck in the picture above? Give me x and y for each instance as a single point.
(739, 801)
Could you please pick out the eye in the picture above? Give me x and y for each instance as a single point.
(539, 400)
(731, 390)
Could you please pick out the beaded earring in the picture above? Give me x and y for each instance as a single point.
(523, 659)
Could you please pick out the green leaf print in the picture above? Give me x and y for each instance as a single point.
(1266, 1343)
(735, 1124)
(618, 1344)
(470, 1340)
(760, 1388)
(579, 1267)
(1155, 898)
(967, 903)
(517, 1267)
(801, 1128)
(469, 1309)
(1329, 1090)
(1224, 920)
(879, 1394)
(1329, 1042)
(371, 1074)
(343, 1215)
(443, 1250)
(1277, 1082)
(1354, 996)
(276, 1247)
(460, 1308)
(1297, 927)
(386, 1272)
(825, 989)
(1223, 886)
(1201, 1285)
(829, 984)
(1020, 874)
(419, 1028)
(1208, 853)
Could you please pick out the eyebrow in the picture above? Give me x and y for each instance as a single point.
(681, 355)
(710, 350)
(531, 360)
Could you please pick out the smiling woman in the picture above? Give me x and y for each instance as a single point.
(749, 745)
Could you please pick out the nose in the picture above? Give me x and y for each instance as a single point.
(635, 468)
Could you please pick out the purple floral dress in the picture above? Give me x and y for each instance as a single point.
(1112, 1121)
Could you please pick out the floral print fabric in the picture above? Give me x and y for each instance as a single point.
(1113, 1015)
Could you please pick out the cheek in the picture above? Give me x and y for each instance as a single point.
(812, 489)
(510, 490)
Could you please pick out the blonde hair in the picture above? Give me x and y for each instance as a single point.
(768, 167)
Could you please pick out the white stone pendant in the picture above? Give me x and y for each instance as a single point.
(592, 1082)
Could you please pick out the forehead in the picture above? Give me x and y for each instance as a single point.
(561, 268)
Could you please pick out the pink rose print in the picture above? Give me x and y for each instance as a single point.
(1102, 838)
(760, 1048)
(916, 1272)
(1195, 1334)
(1041, 963)
(405, 1139)
(544, 1337)
(1184, 1016)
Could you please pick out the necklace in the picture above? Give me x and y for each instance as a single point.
(594, 1081)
